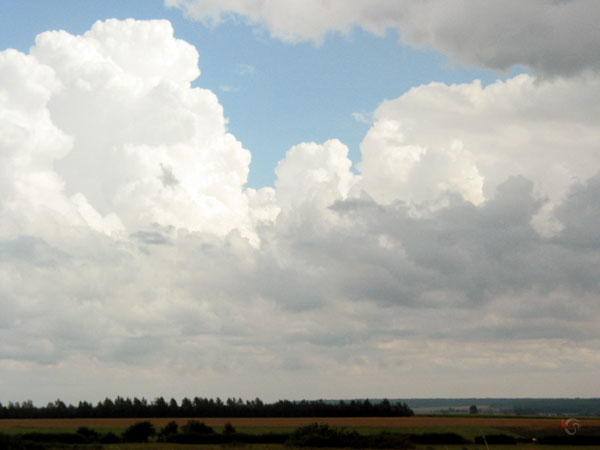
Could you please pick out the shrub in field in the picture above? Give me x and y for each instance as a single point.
(316, 435)
(321, 435)
(195, 432)
(228, 428)
(167, 430)
(139, 432)
(88, 434)
(170, 428)
(195, 426)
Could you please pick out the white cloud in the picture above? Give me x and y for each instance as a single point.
(227, 88)
(133, 260)
(29, 143)
(468, 139)
(245, 69)
(361, 117)
(547, 37)
(316, 174)
(126, 103)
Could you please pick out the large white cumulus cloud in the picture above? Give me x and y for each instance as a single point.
(140, 145)
(468, 139)
(29, 141)
(133, 260)
(559, 37)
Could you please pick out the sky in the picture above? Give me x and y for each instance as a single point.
(299, 199)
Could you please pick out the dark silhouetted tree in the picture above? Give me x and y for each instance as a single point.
(139, 432)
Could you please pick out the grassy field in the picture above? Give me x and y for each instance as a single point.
(399, 423)
(467, 426)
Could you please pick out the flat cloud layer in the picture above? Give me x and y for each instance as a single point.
(462, 258)
(559, 37)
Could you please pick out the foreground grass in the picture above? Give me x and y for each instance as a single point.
(167, 446)
(172, 446)
(506, 447)
(57, 430)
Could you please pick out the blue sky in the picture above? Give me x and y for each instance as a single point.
(355, 199)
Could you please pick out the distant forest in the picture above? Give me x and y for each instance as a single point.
(204, 407)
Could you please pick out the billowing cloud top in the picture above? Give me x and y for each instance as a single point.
(557, 37)
(125, 140)
(132, 258)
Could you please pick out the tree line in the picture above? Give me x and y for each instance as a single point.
(204, 407)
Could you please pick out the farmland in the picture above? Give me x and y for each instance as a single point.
(468, 427)
(394, 423)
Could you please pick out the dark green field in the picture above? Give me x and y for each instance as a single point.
(469, 428)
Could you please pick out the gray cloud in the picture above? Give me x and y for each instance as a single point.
(167, 178)
(550, 38)
(31, 250)
(471, 253)
(580, 216)
(151, 237)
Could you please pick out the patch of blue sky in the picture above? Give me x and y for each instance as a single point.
(275, 94)
(303, 92)
(22, 20)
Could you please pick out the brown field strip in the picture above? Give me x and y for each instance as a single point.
(263, 422)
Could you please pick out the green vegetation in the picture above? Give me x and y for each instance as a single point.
(321, 435)
(204, 407)
(171, 436)
(139, 432)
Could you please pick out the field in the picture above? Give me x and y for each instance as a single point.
(467, 426)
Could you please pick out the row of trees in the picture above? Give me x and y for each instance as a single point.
(204, 407)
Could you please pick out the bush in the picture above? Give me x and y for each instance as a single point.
(195, 426)
(228, 429)
(88, 434)
(167, 430)
(316, 435)
(139, 432)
